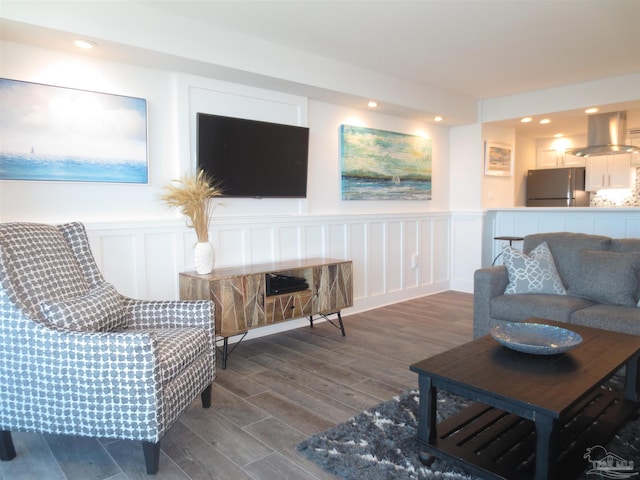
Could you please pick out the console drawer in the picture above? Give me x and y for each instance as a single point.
(288, 306)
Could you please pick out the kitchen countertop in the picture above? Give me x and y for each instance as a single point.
(567, 209)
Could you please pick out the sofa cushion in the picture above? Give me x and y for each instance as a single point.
(99, 310)
(609, 317)
(625, 245)
(516, 308)
(565, 248)
(533, 273)
(608, 277)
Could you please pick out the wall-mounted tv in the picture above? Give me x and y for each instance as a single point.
(252, 158)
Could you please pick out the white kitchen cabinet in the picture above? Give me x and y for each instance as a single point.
(569, 160)
(551, 158)
(608, 171)
(547, 158)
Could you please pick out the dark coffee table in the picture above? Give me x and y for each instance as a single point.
(536, 414)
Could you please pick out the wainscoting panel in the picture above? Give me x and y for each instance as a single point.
(375, 266)
(441, 250)
(466, 234)
(395, 250)
(337, 242)
(314, 245)
(158, 265)
(122, 263)
(426, 252)
(230, 246)
(358, 255)
(143, 261)
(289, 242)
(411, 248)
(262, 244)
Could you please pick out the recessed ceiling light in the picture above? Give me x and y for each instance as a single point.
(372, 104)
(526, 119)
(559, 135)
(591, 110)
(438, 118)
(86, 44)
(544, 121)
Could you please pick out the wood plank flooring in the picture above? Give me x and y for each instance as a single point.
(275, 392)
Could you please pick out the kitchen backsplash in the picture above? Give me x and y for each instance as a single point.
(618, 198)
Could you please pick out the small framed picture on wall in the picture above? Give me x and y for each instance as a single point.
(498, 159)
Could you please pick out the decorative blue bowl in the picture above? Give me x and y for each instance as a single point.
(535, 338)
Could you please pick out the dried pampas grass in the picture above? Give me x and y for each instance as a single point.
(192, 196)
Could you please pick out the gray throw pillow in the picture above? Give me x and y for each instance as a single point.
(609, 277)
(533, 273)
(99, 310)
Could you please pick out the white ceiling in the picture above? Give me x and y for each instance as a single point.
(478, 48)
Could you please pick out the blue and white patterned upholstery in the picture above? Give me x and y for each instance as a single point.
(78, 358)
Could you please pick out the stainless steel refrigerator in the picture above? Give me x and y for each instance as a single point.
(557, 187)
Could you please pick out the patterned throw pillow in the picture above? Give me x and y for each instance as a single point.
(99, 310)
(533, 273)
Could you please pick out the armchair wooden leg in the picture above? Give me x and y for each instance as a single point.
(151, 456)
(206, 397)
(7, 451)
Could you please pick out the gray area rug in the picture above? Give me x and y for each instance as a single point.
(380, 443)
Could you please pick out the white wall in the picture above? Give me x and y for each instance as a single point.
(568, 97)
(141, 246)
(497, 191)
(525, 160)
(173, 100)
(60, 201)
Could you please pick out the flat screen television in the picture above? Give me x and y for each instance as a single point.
(253, 159)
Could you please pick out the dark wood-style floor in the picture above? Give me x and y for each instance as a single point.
(275, 392)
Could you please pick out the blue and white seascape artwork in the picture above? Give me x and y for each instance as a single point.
(61, 134)
(381, 165)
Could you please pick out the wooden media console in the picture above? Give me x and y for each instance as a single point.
(242, 302)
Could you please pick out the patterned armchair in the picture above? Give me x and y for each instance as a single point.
(78, 358)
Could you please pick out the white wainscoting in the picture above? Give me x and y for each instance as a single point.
(611, 222)
(395, 257)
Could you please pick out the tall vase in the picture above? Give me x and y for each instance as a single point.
(203, 257)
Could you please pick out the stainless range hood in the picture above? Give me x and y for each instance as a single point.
(606, 136)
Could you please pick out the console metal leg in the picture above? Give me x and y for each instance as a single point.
(225, 352)
(341, 324)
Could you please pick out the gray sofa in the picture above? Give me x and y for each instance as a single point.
(600, 276)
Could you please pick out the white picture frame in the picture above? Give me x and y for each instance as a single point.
(498, 159)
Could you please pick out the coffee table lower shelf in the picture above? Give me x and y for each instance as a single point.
(496, 444)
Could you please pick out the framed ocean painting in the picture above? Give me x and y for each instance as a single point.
(498, 159)
(382, 165)
(52, 133)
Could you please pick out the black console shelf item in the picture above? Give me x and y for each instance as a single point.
(280, 283)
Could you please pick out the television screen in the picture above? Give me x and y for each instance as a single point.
(252, 158)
